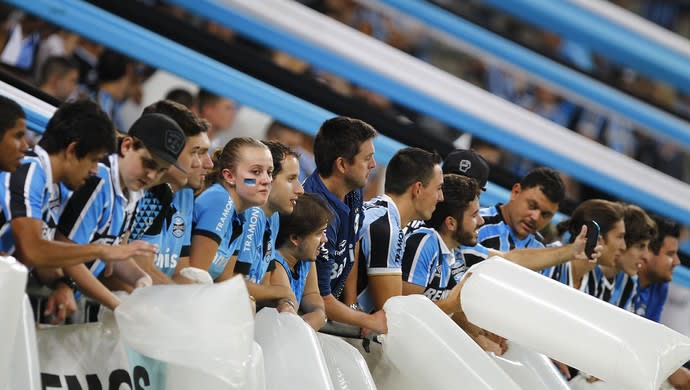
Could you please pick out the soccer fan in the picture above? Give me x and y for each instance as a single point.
(13, 145)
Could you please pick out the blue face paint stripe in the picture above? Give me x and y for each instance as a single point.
(250, 182)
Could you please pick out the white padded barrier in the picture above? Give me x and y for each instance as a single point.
(530, 370)
(13, 276)
(346, 366)
(572, 327)
(425, 349)
(206, 329)
(25, 372)
(292, 354)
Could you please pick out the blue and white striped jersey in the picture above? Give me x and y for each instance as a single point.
(337, 256)
(30, 192)
(215, 217)
(563, 273)
(496, 234)
(383, 239)
(171, 229)
(381, 247)
(297, 277)
(427, 262)
(619, 291)
(100, 211)
(257, 245)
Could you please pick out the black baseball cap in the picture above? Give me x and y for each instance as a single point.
(467, 162)
(161, 135)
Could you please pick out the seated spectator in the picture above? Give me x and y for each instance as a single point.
(102, 210)
(619, 285)
(584, 274)
(256, 248)
(77, 136)
(282, 133)
(344, 155)
(114, 77)
(13, 145)
(242, 179)
(219, 111)
(183, 97)
(301, 237)
(59, 77)
(654, 277)
(164, 215)
(413, 187)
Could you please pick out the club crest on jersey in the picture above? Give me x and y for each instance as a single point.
(178, 226)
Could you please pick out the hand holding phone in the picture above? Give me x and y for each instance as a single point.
(593, 232)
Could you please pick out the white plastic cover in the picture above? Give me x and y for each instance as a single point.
(572, 327)
(425, 349)
(292, 353)
(530, 370)
(257, 375)
(12, 284)
(25, 373)
(208, 328)
(346, 365)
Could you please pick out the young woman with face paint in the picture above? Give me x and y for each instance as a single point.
(255, 250)
(242, 179)
(301, 238)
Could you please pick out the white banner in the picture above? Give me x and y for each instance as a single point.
(93, 357)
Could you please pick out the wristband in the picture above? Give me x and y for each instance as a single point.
(69, 282)
(288, 301)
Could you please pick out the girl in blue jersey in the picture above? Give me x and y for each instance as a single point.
(257, 245)
(242, 179)
(301, 237)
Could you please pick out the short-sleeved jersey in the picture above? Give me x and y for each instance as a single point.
(100, 211)
(171, 229)
(496, 234)
(29, 191)
(427, 262)
(256, 246)
(382, 245)
(383, 239)
(650, 300)
(337, 256)
(297, 277)
(563, 273)
(621, 292)
(215, 217)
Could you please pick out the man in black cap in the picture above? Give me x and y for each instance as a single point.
(102, 210)
(467, 162)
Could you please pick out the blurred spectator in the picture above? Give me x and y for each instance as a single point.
(219, 111)
(114, 77)
(86, 54)
(288, 136)
(59, 77)
(23, 38)
(60, 43)
(182, 96)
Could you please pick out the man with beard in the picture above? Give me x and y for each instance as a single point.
(431, 264)
(516, 224)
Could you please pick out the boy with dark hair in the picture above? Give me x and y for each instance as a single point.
(13, 143)
(619, 283)
(77, 136)
(344, 154)
(114, 78)
(102, 211)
